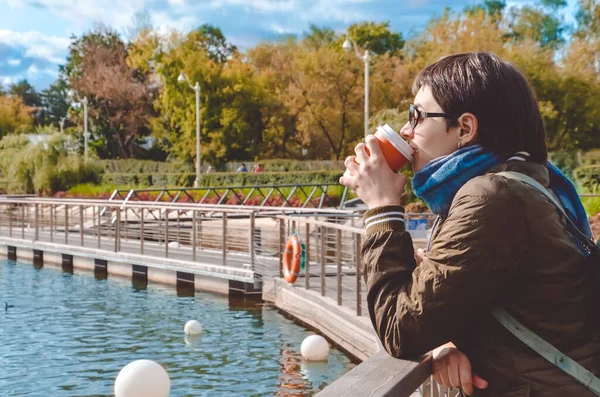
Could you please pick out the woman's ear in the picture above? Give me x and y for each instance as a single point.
(467, 129)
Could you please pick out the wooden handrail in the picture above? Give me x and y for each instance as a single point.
(381, 376)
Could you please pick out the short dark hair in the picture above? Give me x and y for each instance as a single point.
(496, 93)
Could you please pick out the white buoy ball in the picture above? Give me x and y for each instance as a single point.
(314, 348)
(142, 378)
(193, 328)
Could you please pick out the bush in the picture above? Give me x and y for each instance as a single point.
(134, 166)
(285, 165)
(43, 169)
(269, 178)
(150, 179)
(588, 177)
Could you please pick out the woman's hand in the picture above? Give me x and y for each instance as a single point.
(369, 175)
(452, 368)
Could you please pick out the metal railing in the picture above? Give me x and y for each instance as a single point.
(300, 195)
(249, 237)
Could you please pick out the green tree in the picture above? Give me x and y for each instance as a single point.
(541, 24)
(376, 37)
(231, 117)
(55, 101)
(26, 92)
(318, 37)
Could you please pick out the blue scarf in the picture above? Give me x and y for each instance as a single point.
(438, 182)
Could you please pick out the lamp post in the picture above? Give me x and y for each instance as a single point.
(181, 80)
(348, 46)
(61, 122)
(85, 103)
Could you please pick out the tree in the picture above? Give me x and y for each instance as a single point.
(120, 97)
(538, 23)
(15, 117)
(55, 102)
(26, 92)
(231, 118)
(376, 37)
(212, 40)
(318, 37)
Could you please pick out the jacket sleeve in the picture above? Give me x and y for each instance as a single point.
(475, 252)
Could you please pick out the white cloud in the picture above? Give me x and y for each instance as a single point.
(13, 62)
(8, 80)
(50, 48)
(260, 5)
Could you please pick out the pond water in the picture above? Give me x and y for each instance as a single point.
(70, 335)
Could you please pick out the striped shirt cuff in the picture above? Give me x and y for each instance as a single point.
(385, 218)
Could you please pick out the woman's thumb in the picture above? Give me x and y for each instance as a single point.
(479, 382)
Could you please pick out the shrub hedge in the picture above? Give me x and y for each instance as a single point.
(220, 178)
(588, 177)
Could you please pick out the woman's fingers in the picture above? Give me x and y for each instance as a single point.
(479, 382)
(464, 371)
(361, 154)
(454, 372)
(373, 147)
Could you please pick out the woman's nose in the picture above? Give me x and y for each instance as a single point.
(406, 131)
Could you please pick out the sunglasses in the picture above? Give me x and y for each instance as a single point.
(415, 115)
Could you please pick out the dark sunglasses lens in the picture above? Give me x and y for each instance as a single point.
(412, 117)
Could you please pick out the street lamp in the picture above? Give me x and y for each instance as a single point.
(85, 103)
(182, 79)
(348, 46)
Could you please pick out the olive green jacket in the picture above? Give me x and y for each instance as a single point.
(502, 243)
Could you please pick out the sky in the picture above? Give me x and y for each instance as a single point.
(35, 34)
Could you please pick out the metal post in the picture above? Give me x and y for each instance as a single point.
(81, 223)
(307, 256)
(85, 129)
(142, 231)
(224, 238)
(99, 228)
(251, 242)
(338, 247)
(159, 225)
(126, 224)
(358, 275)
(178, 228)
(323, 258)
(51, 223)
(9, 221)
(166, 233)
(37, 232)
(194, 225)
(66, 224)
(197, 89)
(117, 231)
(22, 221)
(199, 221)
(281, 243)
(366, 59)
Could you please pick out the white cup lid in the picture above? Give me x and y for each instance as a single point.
(395, 139)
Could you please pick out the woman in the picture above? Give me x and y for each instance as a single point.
(496, 242)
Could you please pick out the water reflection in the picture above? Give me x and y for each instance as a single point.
(77, 333)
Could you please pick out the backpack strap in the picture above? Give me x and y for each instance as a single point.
(547, 351)
(530, 338)
(588, 244)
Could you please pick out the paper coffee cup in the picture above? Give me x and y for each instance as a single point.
(396, 151)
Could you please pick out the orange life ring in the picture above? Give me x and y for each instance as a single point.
(292, 258)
